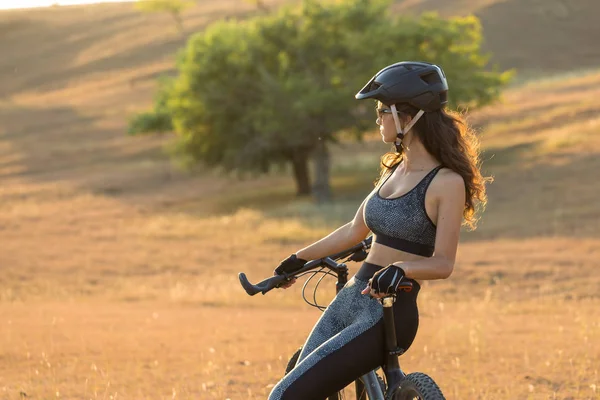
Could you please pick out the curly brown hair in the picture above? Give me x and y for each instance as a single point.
(447, 136)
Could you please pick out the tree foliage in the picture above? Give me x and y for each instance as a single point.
(279, 87)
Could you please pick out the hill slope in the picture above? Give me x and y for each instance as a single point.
(118, 274)
(48, 49)
(74, 75)
(86, 69)
(530, 35)
(103, 202)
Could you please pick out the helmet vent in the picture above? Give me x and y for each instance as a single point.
(443, 97)
(431, 78)
(374, 86)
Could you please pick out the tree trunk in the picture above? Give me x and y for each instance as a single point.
(300, 164)
(322, 189)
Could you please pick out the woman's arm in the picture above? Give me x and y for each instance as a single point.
(342, 238)
(451, 203)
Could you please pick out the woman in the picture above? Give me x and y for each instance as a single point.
(432, 184)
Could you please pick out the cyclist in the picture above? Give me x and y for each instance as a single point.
(428, 187)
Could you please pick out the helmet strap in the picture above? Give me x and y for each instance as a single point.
(400, 133)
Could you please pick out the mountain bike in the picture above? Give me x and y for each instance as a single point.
(395, 384)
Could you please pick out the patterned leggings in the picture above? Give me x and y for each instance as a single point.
(348, 341)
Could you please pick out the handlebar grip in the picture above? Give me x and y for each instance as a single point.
(262, 287)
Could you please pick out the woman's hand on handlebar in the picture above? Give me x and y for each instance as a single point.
(289, 266)
(385, 282)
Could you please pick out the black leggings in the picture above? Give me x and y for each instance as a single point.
(348, 341)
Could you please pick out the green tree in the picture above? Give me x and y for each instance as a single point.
(173, 7)
(279, 88)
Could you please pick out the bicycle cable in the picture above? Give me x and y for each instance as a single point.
(313, 274)
(323, 271)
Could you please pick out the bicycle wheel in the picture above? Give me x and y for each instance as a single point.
(418, 386)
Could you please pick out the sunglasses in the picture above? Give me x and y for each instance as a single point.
(381, 111)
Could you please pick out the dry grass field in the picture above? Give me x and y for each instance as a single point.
(118, 273)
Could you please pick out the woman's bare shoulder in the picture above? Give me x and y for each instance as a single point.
(448, 182)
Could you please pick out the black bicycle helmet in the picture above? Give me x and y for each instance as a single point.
(419, 84)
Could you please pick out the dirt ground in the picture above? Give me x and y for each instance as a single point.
(477, 348)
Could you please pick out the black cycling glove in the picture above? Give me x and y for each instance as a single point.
(290, 265)
(386, 280)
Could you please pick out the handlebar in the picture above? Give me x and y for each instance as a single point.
(330, 262)
(274, 281)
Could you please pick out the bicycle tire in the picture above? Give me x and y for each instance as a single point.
(418, 386)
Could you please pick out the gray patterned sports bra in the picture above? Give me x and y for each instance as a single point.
(402, 222)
